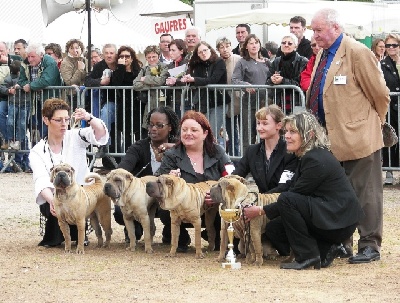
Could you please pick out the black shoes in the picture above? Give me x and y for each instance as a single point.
(316, 262)
(332, 254)
(183, 248)
(365, 255)
(347, 252)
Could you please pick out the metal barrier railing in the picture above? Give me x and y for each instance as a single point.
(124, 110)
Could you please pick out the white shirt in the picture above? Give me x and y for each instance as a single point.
(73, 152)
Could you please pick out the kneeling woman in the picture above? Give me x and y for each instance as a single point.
(321, 209)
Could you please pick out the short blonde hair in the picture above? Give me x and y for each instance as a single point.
(273, 110)
(312, 134)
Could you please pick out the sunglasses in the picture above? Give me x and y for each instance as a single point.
(287, 42)
(394, 45)
(314, 45)
(124, 56)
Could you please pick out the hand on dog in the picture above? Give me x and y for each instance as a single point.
(175, 172)
(251, 212)
(52, 209)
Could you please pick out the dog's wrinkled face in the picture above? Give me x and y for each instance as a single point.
(166, 190)
(116, 183)
(230, 192)
(62, 175)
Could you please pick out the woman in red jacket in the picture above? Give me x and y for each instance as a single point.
(305, 76)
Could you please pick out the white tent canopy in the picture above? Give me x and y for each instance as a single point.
(359, 18)
(163, 8)
(105, 29)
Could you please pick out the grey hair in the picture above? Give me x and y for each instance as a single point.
(293, 37)
(195, 28)
(312, 134)
(331, 16)
(35, 47)
(110, 45)
(222, 40)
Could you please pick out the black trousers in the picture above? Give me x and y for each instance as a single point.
(184, 237)
(119, 218)
(52, 232)
(306, 240)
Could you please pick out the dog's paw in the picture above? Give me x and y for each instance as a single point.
(80, 250)
(221, 259)
(210, 248)
(199, 256)
(149, 250)
(258, 263)
(131, 248)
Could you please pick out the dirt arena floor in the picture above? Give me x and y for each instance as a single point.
(29, 273)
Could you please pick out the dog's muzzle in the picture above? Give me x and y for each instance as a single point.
(62, 179)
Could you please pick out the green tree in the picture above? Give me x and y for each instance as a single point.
(190, 2)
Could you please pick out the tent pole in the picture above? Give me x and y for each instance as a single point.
(89, 45)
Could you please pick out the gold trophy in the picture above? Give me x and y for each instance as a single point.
(230, 216)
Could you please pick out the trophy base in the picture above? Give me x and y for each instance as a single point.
(229, 265)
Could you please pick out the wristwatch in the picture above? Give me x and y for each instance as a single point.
(90, 119)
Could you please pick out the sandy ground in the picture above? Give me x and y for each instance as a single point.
(30, 273)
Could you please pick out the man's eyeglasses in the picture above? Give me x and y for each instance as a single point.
(124, 56)
(61, 120)
(157, 125)
(394, 45)
(287, 42)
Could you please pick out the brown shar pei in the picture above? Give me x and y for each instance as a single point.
(74, 203)
(233, 192)
(129, 193)
(185, 202)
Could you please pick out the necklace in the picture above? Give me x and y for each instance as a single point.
(194, 163)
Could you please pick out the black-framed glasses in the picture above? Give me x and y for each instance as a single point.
(287, 42)
(61, 120)
(312, 45)
(394, 45)
(125, 56)
(157, 125)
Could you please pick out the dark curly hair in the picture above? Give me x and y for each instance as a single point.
(209, 142)
(71, 42)
(136, 63)
(173, 120)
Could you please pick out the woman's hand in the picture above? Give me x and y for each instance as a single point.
(170, 81)
(52, 209)
(276, 78)
(175, 172)
(187, 78)
(121, 61)
(251, 212)
(81, 65)
(81, 114)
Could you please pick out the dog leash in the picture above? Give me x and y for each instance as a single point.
(143, 168)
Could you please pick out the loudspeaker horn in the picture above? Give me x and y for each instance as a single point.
(122, 10)
(52, 9)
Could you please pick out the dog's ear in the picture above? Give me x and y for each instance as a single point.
(52, 171)
(129, 177)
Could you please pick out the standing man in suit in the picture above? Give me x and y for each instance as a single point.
(351, 101)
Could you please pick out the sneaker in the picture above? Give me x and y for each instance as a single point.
(389, 178)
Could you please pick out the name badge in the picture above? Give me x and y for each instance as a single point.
(340, 80)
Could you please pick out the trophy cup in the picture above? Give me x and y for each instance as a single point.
(230, 216)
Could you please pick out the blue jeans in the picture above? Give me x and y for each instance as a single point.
(216, 118)
(3, 118)
(107, 114)
(16, 122)
(235, 137)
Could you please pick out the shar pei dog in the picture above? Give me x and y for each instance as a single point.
(74, 203)
(185, 202)
(129, 193)
(234, 192)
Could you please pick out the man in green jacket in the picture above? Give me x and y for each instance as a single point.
(39, 71)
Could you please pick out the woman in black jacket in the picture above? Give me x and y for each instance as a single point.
(286, 70)
(390, 71)
(206, 67)
(321, 209)
(143, 158)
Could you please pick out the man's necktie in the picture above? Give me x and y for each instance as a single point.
(316, 83)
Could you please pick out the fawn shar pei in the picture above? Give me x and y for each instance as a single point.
(233, 192)
(74, 203)
(185, 202)
(129, 193)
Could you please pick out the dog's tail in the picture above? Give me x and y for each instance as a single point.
(93, 177)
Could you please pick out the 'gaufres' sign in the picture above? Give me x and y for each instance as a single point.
(170, 26)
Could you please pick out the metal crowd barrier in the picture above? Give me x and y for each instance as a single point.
(124, 112)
